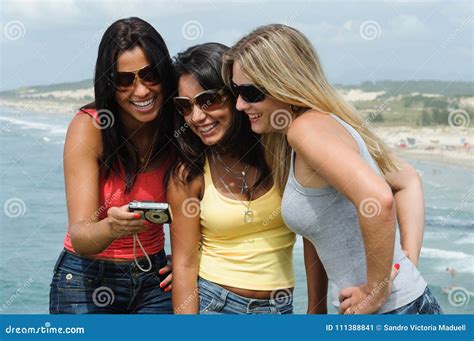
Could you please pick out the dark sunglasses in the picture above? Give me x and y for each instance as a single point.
(208, 100)
(147, 74)
(250, 93)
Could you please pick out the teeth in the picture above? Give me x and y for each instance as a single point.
(207, 128)
(144, 103)
(253, 117)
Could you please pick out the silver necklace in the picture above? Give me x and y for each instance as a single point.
(244, 187)
(248, 214)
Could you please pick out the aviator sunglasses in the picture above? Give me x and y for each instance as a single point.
(207, 100)
(146, 74)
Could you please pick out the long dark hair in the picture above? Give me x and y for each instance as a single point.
(204, 62)
(119, 152)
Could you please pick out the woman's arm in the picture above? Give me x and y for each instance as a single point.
(316, 280)
(410, 206)
(82, 149)
(185, 242)
(318, 140)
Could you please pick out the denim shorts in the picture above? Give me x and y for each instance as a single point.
(86, 286)
(214, 299)
(425, 304)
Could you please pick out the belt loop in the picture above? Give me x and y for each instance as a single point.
(60, 259)
(100, 270)
(224, 293)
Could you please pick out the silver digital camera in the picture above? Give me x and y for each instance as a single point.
(154, 212)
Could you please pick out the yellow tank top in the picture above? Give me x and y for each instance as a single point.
(256, 255)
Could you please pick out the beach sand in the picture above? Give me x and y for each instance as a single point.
(451, 145)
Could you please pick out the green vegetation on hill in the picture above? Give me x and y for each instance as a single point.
(409, 110)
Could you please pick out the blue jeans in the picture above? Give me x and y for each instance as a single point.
(86, 286)
(425, 304)
(214, 299)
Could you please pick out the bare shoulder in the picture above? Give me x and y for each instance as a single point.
(178, 184)
(310, 123)
(83, 135)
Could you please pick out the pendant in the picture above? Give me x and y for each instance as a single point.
(248, 217)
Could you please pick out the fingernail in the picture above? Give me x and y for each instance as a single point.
(137, 216)
(396, 266)
(160, 272)
(167, 289)
(161, 285)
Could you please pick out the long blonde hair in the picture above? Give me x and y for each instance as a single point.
(281, 60)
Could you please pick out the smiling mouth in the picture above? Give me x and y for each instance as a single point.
(144, 105)
(255, 116)
(207, 128)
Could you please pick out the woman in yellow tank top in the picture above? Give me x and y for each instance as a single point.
(232, 253)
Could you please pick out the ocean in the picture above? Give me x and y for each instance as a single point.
(33, 221)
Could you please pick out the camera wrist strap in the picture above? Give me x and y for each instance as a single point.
(136, 240)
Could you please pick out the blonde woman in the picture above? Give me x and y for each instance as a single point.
(339, 180)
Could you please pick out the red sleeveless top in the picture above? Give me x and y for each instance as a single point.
(148, 186)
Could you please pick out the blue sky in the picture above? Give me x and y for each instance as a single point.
(52, 41)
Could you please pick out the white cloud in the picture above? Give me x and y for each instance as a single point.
(408, 26)
(41, 9)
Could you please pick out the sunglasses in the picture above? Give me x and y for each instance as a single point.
(146, 74)
(250, 93)
(208, 100)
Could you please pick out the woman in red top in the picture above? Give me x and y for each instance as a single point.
(117, 150)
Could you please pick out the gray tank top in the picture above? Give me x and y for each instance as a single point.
(329, 220)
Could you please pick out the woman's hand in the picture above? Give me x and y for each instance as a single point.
(365, 300)
(124, 223)
(166, 284)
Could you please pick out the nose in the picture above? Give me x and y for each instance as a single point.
(140, 90)
(241, 105)
(197, 114)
